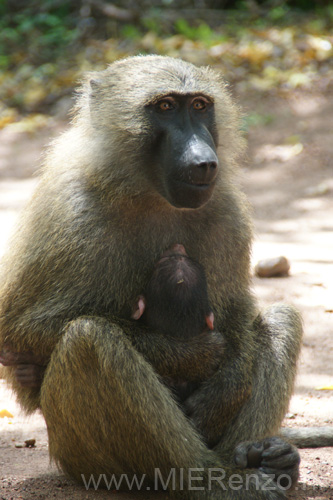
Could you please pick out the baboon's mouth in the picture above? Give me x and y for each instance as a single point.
(198, 185)
(189, 194)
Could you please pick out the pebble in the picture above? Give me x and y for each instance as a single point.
(268, 268)
(30, 443)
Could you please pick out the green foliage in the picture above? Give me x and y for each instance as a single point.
(46, 34)
(130, 31)
(267, 5)
(153, 24)
(202, 32)
(46, 46)
(4, 61)
(278, 13)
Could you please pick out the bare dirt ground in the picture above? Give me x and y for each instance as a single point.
(288, 177)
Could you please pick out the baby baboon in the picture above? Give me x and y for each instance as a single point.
(148, 161)
(175, 303)
(175, 300)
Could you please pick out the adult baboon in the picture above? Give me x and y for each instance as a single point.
(148, 162)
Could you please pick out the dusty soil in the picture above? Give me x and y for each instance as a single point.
(288, 177)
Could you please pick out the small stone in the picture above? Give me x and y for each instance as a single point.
(268, 268)
(30, 443)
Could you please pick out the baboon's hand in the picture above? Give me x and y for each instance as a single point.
(29, 368)
(30, 375)
(10, 357)
(272, 456)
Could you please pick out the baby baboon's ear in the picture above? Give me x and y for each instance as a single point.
(139, 307)
(210, 320)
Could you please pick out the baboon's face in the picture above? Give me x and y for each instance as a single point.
(184, 148)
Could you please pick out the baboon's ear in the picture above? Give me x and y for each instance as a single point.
(95, 84)
(139, 307)
(210, 320)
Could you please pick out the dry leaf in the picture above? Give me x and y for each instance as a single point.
(6, 413)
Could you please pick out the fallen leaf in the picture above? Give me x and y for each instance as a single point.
(6, 413)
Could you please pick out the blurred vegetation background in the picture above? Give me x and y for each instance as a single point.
(270, 45)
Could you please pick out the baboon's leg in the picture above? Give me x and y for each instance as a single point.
(107, 411)
(279, 334)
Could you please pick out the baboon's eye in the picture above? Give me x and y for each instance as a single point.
(165, 105)
(200, 104)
